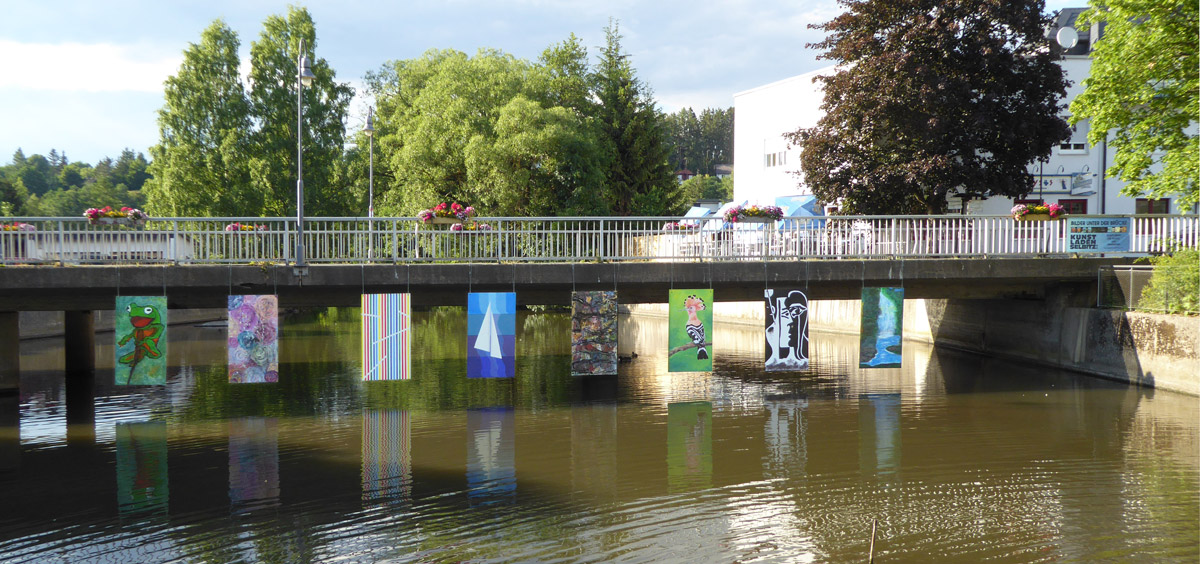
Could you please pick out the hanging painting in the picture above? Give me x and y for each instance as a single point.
(882, 328)
(386, 455)
(142, 467)
(253, 462)
(253, 339)
(491, 455)
(787, 330)
(386, 337)
(593, 333)
(690, 339)
(689, 446)
(491, 334)
(141, 346)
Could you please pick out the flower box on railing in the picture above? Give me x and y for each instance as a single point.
(445, 220)
(126, 221)
(1035, 217)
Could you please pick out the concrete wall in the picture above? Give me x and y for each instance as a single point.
(1162, 351)
(42, 324)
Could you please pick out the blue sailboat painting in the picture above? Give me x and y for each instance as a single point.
(491, 334)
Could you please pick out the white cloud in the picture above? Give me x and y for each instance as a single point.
(79, 67)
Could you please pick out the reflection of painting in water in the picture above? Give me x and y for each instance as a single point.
(386, 455)
(787, 330)
(879, 433)
(491, 334)
(786, 434)
(491, 455)
(140, 324)
(253, 339)
(689, 445)
(593, 333)
(594, 449)
(253, 461)
(881, 331)
(386, 337)
(142, 467)
(690, 340)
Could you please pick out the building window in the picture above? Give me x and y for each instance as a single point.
(1073, 206)
(775, 159)
(1147, 205)
(1077, 143)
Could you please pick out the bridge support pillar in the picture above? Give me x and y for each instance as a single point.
(79, 344)
(10, 352)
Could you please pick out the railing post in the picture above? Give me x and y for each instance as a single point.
(61, 259)
(287, 242)
(603, 255)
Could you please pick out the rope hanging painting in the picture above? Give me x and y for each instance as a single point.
(253, 339)
(386, 337)
(593, 333)
(882, 328)
(787, 330)
(690, 331)
(491, 334)
(141, 348)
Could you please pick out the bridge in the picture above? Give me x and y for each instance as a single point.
(67, 264)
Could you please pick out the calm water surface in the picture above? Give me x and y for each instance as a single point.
(958, 458)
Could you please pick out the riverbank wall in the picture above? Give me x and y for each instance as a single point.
(1146, 349)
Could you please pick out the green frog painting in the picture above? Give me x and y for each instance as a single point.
(141, 348)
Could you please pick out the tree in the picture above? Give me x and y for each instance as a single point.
(930, 97)
(130, 169)
(705, 187)
(638, 180)
(1144, 87)
(199, 165)
(274, 58)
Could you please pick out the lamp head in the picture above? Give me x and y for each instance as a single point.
(369, 129)
(306, 73)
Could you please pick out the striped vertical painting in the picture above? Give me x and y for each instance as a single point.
(140, 323)
(386, 337)
(386, 455)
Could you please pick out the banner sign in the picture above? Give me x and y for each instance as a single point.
(253, 339)
(787, 330)
(594, 333)
(881, 330)
(386, 337)
(491, 335)
(1098, 234)
(690, 331)
(141, 333)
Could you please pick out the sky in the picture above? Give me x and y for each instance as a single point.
(85, 77)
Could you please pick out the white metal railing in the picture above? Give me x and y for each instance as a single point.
(392, 240)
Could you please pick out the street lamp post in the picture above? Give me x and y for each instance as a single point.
(369, 130)
(304, 77)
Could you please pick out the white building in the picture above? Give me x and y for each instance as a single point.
(1073, 176)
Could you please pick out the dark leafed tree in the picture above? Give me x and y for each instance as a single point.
(199, 166)
(639, 180)
(274, 58)
(932, 97)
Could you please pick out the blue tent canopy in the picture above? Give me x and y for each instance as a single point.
(800, 205)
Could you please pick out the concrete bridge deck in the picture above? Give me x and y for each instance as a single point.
(84, 288)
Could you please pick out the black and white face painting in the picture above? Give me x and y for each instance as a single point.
(787, 330)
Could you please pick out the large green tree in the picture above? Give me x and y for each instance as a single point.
(700, 142)
(200, 162)
(639, 181)
(932, 97)
(1144, 87)
(274, 58)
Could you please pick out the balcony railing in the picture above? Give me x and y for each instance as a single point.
(559, 239)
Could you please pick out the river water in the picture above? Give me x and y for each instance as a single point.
(954, 457)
